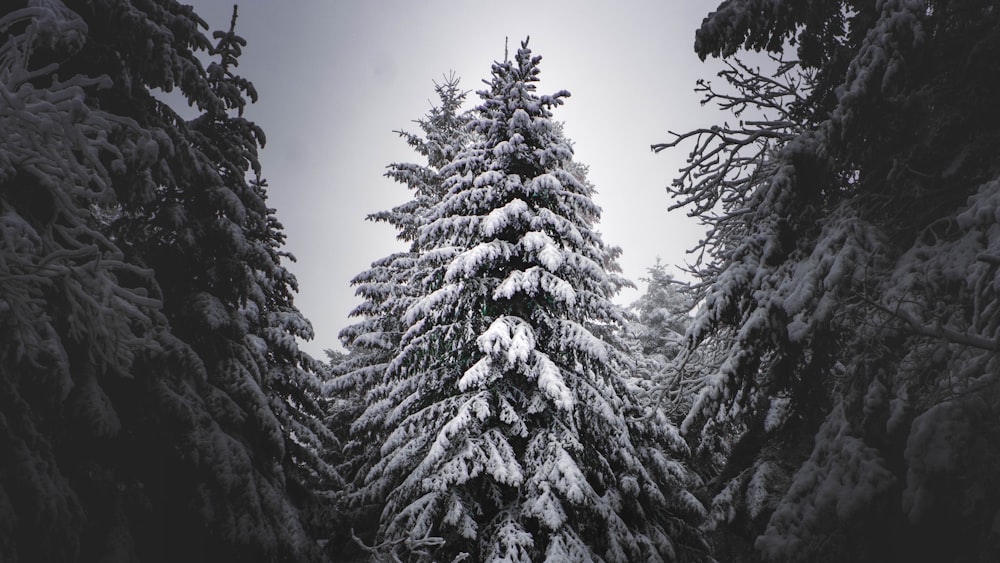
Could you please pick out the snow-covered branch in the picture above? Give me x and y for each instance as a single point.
(935, 329)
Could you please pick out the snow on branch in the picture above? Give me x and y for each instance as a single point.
(934, 329)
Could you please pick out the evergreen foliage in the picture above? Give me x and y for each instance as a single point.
(668, 376)
(662, 313)
(836, 393)
(155, 405)
(508, 429)
(853, 266)
(388, 288)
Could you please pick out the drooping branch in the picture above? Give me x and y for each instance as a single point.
(934, 329)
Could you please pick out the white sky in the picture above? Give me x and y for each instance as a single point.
(336, 77)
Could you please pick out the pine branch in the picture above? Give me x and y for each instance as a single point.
(937, 330)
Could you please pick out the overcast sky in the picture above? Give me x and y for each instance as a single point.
(336, 77)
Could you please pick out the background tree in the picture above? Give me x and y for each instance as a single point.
(508, 431)
(155, 404)
(388, 288)
(662, 313)
(668, 377)
(852, 265)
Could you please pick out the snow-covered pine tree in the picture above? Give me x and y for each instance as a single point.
(510, 436)
(388, 288)
(663, 313)
(443, 135)
(855, 246)
(155, 406)
(668, 378)
(265, 346)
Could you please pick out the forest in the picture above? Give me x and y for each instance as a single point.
(824, 390)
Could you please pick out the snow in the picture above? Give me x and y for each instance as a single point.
(508, 337)
(567, 546)
(522, 342)
(551, 382)
(496, 339)
(519, 120)
(545, 506)
(777, 413)
(518, 282)
(512, 213)
(511, 544)
(939, 444)
(509, 416)
(842, 476)
(503, 148)
(468, 263)
(478, 376)
(566, 477)
(501, 461)
(489, 178)
(436, 300)
(452, 458)
(798, 329)
(757, 491)
(547, 220)
(573, 335)
(459, 518)
(544, 184)
(548, 254)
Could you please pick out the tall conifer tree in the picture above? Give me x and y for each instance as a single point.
(855, 271)
(509, 431)
(388, 288)
(155, 406)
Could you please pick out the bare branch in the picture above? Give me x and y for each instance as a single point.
(939, 331)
